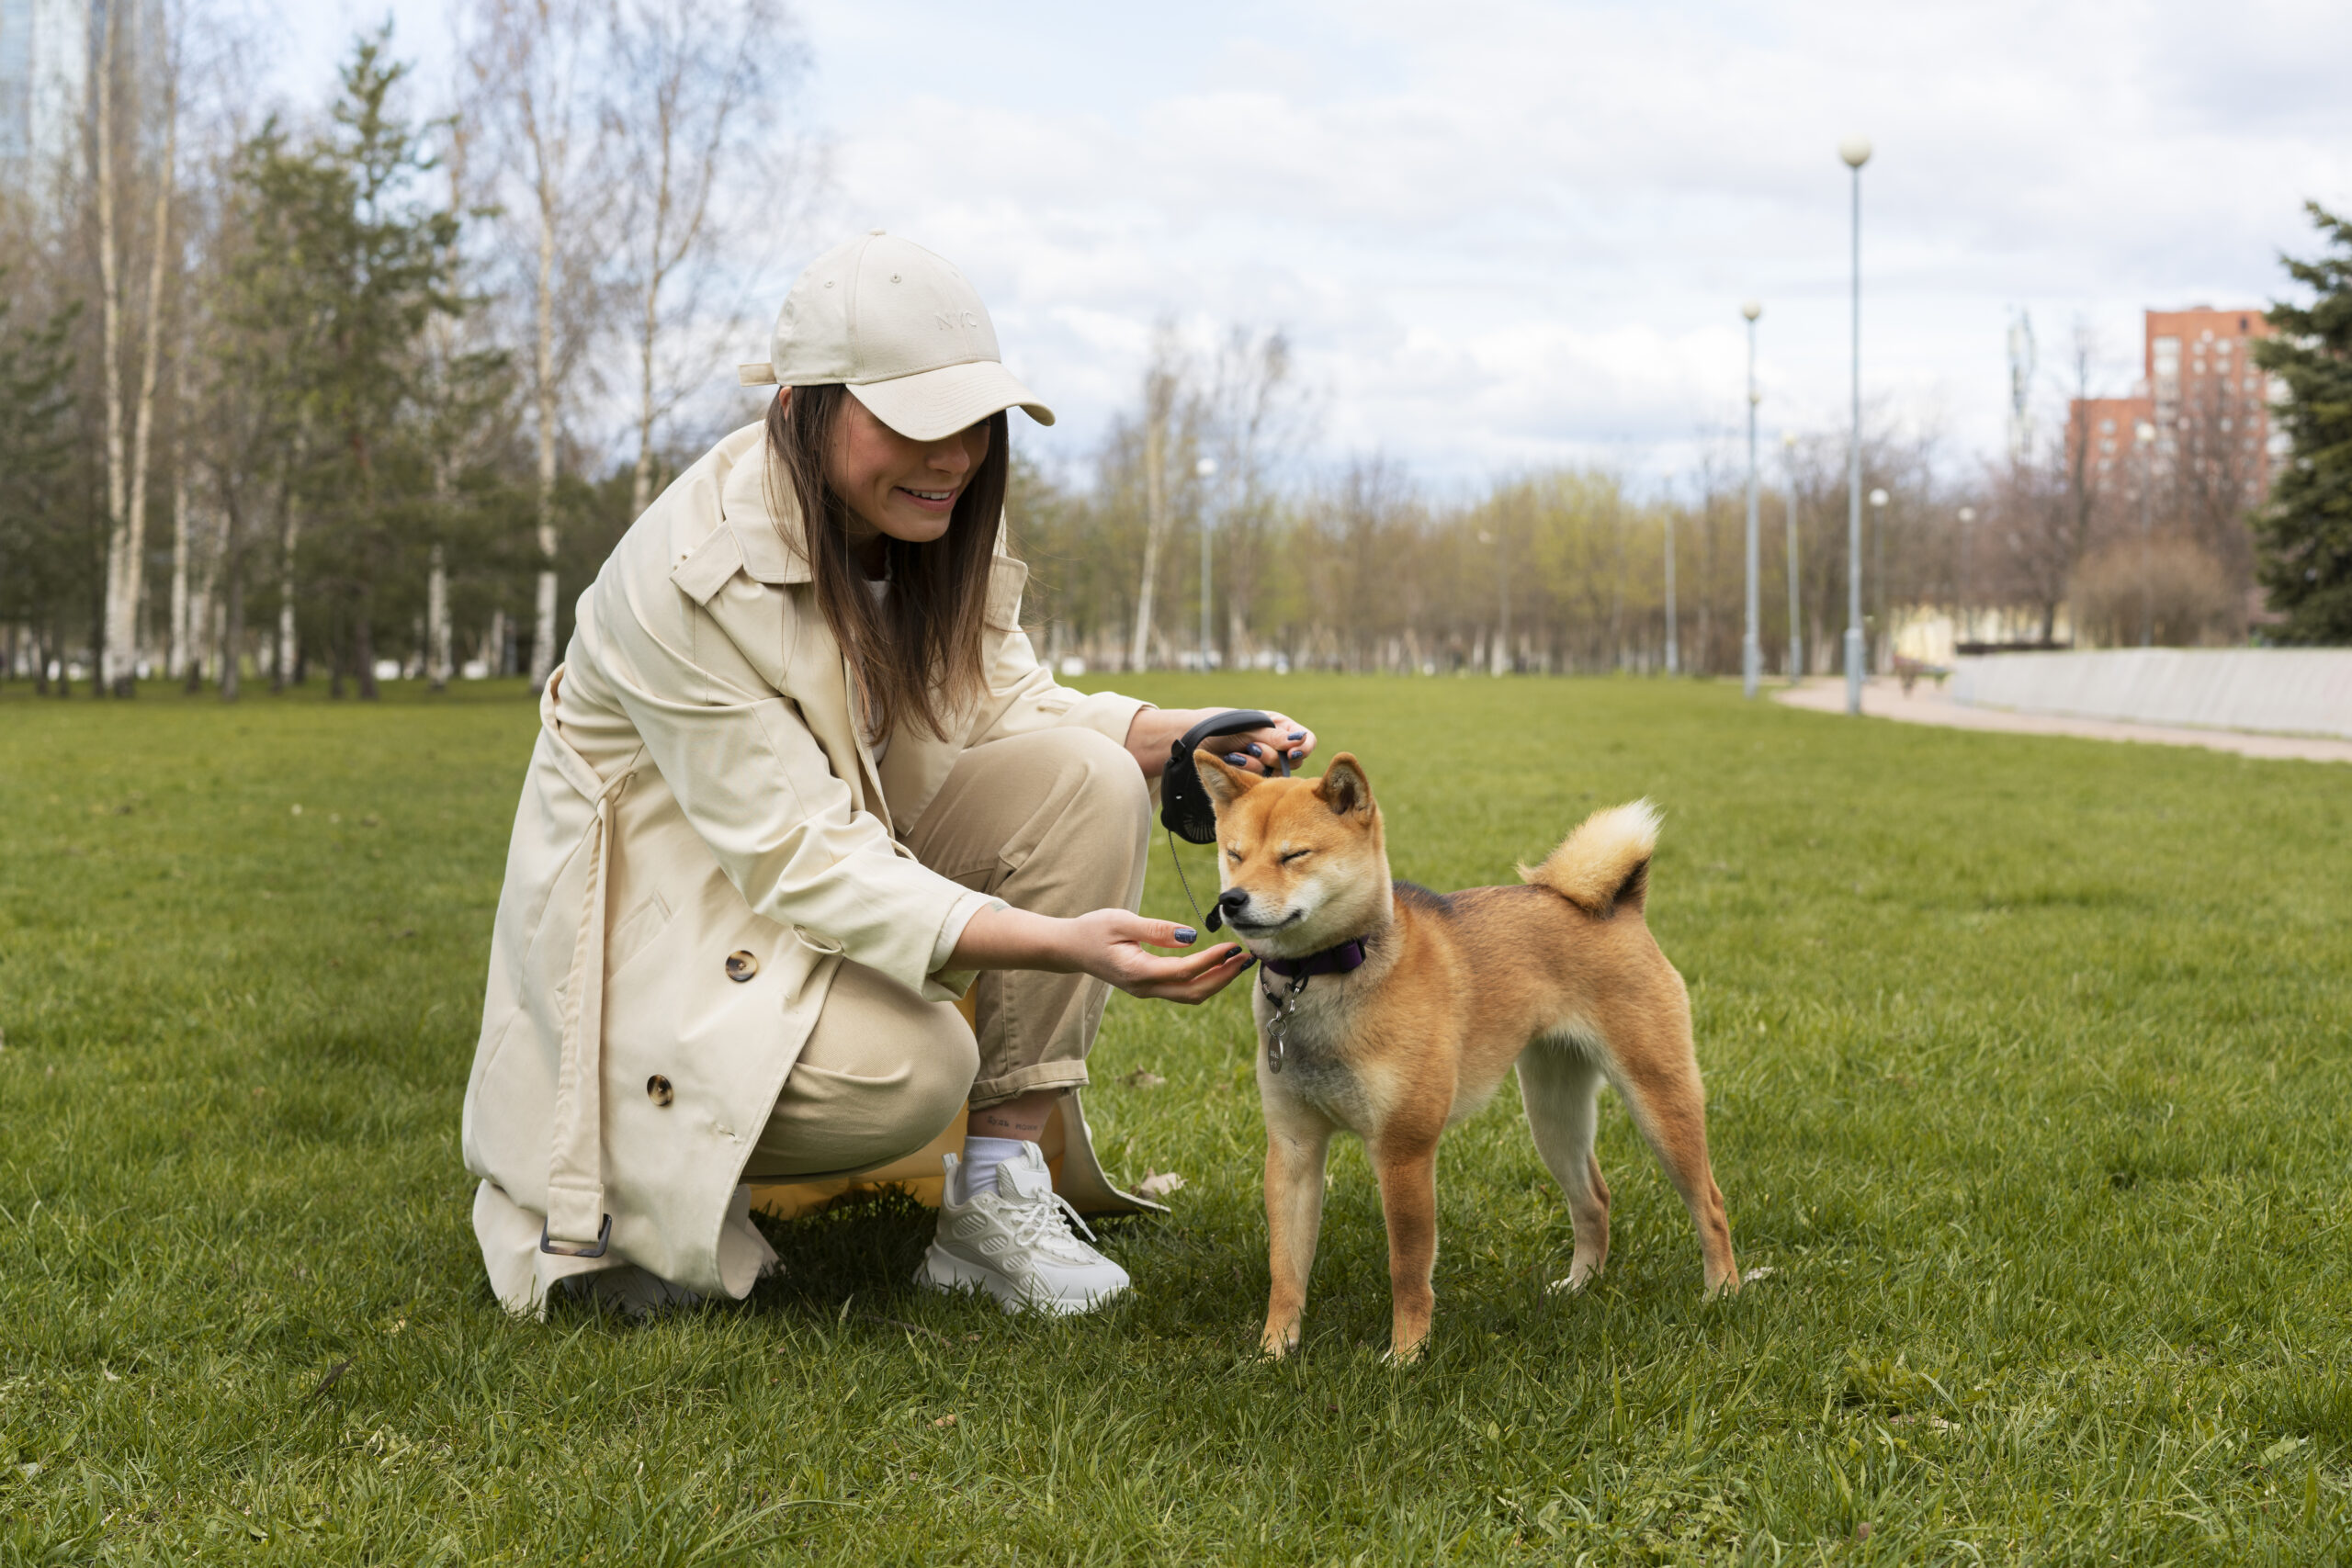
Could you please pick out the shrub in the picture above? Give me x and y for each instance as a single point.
(2170, 584)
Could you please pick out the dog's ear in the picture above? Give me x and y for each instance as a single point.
(1225, 782)
(1345, 787)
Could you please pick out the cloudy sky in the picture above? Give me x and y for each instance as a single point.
(1504, 234)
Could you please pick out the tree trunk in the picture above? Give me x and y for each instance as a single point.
(284, 670)
(640, 493)
(179, 662)
(230, 644)
(363, 643)
(114, 629)
(135, 574)
(436, 623)
(1154, 516)
(200, 629)
(543, 631)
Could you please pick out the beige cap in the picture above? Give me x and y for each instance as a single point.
(902, 329)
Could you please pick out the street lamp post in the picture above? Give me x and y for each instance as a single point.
(2144, 436)
(1961, 590)
(1796, 623)
(1878, 568)
(1206, 468)
(1856, 152)
(1751, 653)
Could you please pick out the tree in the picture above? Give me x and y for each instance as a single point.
(694, 86)
(1255, 416)
(351, 262)
(35, 448)
(531, 63)
(120, 64)
(1165, 407)
(2305, 533)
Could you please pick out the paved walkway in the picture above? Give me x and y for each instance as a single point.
(1883, 698)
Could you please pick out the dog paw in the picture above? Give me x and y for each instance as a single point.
(1580, 1276)
(1402, 1355)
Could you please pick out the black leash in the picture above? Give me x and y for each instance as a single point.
(1216, 917)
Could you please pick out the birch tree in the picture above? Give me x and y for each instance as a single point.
(533, 64)
(121, 65)
(692, 96)
(1163, 389)
(1256, 416)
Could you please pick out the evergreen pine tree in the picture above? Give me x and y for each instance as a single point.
(2305, 534)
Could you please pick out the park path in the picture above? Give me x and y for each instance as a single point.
(1883, 697)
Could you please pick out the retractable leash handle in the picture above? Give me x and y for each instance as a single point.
(1185, 809)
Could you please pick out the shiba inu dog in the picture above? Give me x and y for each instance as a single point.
(1392, 1013)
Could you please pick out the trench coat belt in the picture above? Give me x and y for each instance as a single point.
(578, 1225)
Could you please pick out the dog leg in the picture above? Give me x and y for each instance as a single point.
(1297, 1144)
(1407, 1170)
(1559, 1083)
(1658, 1076)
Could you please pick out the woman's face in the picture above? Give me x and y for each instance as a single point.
(904, 488)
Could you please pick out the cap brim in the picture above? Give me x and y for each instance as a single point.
(932, 404)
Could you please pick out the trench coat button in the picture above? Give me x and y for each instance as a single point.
(658, 1091)
(742, 966)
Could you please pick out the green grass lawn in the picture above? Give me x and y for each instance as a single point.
(2026, 1061)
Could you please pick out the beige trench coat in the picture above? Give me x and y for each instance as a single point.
(699, 789)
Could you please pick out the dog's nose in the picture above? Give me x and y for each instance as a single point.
(1233, 900)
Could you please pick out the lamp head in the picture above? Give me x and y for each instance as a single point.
(2144, 433)
(1788, 439)
(1968, 514)
(1206, 468)
(1752, 309)
(1878, 498)
(1856, 151)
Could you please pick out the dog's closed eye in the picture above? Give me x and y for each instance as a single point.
(1295, 854)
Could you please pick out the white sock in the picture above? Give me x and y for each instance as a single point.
(982, 1157)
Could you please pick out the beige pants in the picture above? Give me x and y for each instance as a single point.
(1056, 823)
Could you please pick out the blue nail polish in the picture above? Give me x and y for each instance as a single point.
(1297, 755)
(1254, 750)
(1236, 759)
(1247, 962)
(1187, 936)
(1298, 735)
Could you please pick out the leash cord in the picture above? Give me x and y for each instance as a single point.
(1177, 861)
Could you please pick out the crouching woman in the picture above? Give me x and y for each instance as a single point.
(800, 783)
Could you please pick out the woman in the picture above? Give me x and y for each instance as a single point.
(799, 782)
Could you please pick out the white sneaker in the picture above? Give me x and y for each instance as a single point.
(1016, 1243)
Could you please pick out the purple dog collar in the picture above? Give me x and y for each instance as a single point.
(1349, 954)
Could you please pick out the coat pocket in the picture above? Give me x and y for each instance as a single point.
(637, 928)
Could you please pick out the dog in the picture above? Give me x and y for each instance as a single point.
(1392, 1013)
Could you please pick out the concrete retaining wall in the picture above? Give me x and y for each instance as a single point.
(2283, 691)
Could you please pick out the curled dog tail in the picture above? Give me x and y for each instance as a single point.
(1605, 862)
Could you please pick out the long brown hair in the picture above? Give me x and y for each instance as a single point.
(917, 652)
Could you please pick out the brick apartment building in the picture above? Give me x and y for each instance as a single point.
(2209, 408)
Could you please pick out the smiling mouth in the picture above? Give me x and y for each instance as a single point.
(1254, 927)
(928, 497)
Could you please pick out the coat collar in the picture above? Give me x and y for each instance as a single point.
(760, 513)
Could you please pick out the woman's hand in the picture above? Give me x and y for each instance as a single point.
(1110, 945)
(1258, 751)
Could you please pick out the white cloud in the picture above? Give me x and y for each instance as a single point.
(1502, 232)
